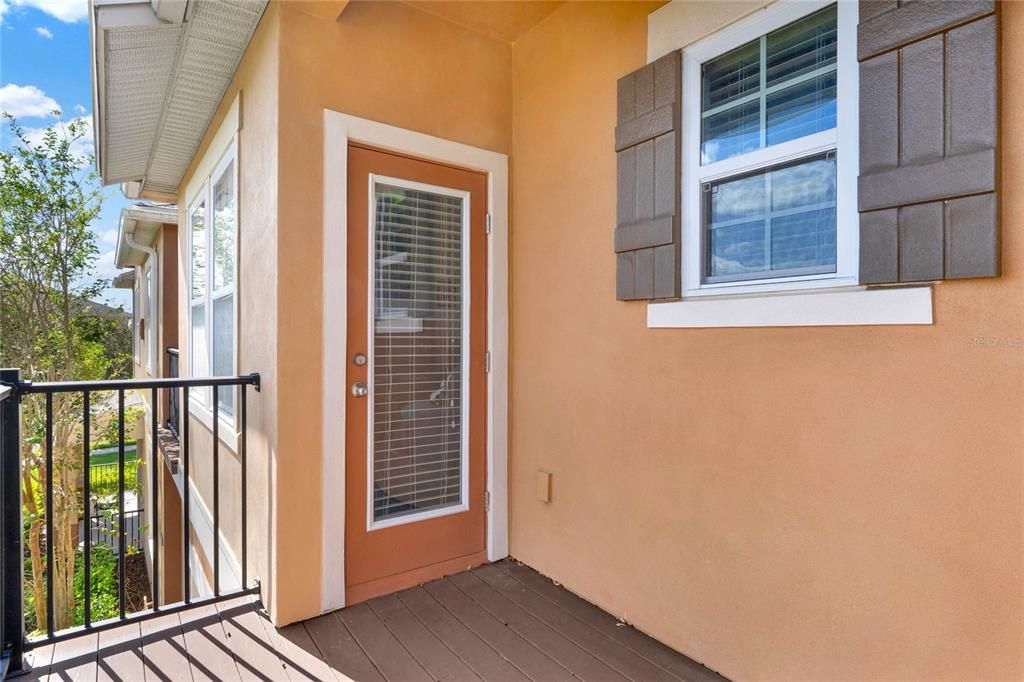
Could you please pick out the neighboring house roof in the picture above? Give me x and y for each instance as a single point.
(102, 310)
(160, 68)
(125, 280)
(137, 230)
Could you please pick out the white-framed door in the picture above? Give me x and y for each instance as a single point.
(339, 131)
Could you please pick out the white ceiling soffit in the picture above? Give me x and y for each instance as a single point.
(157, 83)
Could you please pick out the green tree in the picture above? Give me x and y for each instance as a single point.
(48, 198)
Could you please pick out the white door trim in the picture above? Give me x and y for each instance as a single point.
(339, 130)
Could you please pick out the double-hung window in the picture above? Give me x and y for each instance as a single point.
(213, 227)
(769, 152)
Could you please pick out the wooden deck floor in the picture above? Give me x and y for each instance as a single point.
(498, 622)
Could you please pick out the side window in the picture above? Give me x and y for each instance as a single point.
(223, 289)
(149, 292)
(213, 225)
(136, 320)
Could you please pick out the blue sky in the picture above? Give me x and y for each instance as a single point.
(44, 59)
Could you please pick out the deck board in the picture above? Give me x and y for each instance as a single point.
(120, 654)
(573, 657)
(340, 649)
(164, 657)
(384, 649)
(255, 657)
(73, 660)
(680, 666)
(484, 660)
(38, 663)
(206, 643)
(517, 650)
(605, 649)
(429, 651)
(300, 655)
(502, 622)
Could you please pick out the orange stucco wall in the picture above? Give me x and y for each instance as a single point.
(805, 503)
(387, 62)
(838, 503)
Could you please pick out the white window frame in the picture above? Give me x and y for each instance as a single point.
(198, 404)
(843, 139)
(465, 388)
(136, 316)
(149, 285)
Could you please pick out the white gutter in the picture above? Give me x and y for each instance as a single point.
(150, 217)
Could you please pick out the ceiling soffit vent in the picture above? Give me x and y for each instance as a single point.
(157, 84)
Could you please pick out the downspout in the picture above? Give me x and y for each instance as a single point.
(129, 238)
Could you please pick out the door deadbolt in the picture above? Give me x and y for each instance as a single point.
(359, 359)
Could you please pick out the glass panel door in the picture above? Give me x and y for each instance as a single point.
(419, 304)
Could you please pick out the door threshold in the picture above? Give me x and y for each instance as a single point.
(400, 581)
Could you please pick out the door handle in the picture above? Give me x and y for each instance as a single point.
(359, 389)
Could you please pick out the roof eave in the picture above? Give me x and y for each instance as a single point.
(125, 254)
(141, 155)
(104, 14)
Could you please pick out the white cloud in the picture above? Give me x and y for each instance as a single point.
(79, 109)
(83, 146)
(104, 265)
(26, 101)
(44, 32)
(108, 236)
(68, 11)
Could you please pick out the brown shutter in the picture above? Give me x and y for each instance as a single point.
(647, 143)
(929, 85)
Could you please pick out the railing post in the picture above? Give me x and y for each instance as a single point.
(12, 604)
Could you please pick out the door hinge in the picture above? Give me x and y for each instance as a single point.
(487, 361)
(487, 500)
(487, 224)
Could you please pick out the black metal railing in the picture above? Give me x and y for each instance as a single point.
(13, 637)
(173, 410)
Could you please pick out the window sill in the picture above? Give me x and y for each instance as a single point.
(227, 432)
(835, 307)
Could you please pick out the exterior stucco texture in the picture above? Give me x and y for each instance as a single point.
(778, 503)
(788, 503)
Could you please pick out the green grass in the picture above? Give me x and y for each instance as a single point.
(111, 457)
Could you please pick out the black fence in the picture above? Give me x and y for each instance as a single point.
(13, 638)
(104, 529)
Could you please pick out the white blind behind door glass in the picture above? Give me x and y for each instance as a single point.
(418, 387)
